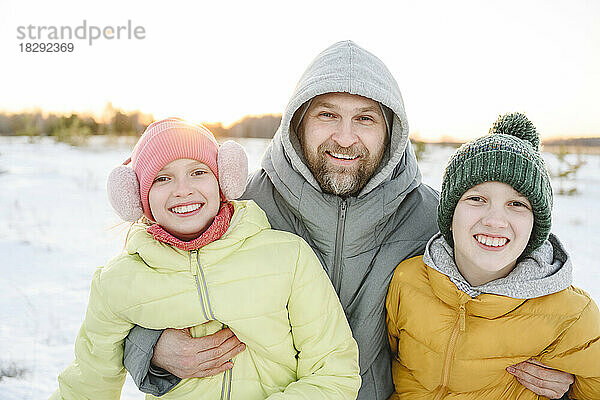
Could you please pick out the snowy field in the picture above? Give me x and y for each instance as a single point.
(56, 227)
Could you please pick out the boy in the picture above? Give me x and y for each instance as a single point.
(490, 290)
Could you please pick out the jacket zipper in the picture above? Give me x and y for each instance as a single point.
(198, 273)
(194, 269)
(459, 327)
(226, 387)
(339, 244)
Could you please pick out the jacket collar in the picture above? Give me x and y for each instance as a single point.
(216, 229)
(545, 271)
(247, 220)
(486, 305)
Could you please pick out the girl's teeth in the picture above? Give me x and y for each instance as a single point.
(489, 241)
(185, 209)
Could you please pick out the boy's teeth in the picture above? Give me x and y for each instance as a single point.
(186, 209)
(490, 241)
(343, 156)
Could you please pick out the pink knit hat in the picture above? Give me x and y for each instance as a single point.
(169, 140)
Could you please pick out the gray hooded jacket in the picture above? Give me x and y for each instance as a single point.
(359, 240)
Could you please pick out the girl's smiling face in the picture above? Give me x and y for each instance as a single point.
(491, 227)
(184, 198)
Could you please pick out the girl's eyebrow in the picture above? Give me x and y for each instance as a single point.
(189, 164)
(193, 162)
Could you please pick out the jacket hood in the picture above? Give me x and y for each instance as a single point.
(545, 271)
(345, 67)
(247, 220)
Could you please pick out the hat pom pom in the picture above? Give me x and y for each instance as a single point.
(232, 162)
(124, 193)
(518, 125)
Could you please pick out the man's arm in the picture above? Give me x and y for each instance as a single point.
(577, 350)
(541, 379)
(158, 360)
(137, 356)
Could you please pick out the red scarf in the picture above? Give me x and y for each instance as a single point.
(213, 232)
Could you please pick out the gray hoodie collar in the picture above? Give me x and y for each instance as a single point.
(346, 67)
(545, 271)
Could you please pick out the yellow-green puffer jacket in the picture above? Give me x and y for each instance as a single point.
(447, 345)
(266, 285)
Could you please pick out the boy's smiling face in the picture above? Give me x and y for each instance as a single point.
(184, 198)
(491, 227)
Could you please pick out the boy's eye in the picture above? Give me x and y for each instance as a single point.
(199, 172)
(516, 203)
(474, 198)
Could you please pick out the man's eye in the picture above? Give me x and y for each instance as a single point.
(326, 114)
(366, 118)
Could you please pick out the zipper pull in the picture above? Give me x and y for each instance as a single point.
(343, 209)
(461, 317)
(193, 268)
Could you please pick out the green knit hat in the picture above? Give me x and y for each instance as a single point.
(509, 154)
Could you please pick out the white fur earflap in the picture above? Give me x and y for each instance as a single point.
(232, 162)
(124, 193)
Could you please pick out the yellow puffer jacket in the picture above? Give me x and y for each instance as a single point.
(266, 285)
(447, 345)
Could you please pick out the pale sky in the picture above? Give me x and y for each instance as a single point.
(459, 64)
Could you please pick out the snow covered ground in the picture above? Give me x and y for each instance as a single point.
(56, 227)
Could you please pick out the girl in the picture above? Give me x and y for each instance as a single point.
(206, 262)
(494, 287)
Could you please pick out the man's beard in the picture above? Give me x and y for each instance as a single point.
(339, 180)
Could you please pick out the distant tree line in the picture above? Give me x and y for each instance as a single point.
(263, 126)
(74, 128)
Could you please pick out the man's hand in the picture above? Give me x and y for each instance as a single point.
(541, 379)
(187, 357)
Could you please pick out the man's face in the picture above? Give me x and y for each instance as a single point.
(343, 137)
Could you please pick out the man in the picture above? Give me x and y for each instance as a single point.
(341, 173)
